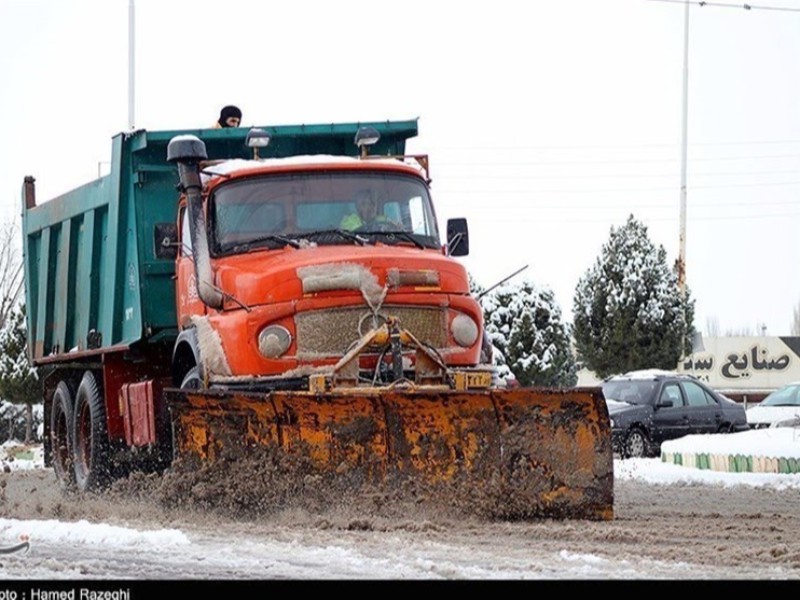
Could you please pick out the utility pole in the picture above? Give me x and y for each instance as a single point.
(684, 146)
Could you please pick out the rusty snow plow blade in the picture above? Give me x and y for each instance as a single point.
(537, 453)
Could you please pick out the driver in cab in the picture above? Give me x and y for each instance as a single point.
(366, 216)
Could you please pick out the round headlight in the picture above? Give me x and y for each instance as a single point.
(465, 330)
(274, 341)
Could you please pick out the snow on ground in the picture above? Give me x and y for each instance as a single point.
(777, 442)
(772, 442)
(83, 532)
(653, 471)
(15, 455)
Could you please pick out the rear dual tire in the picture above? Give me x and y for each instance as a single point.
(61, 435)
(79, 436)
(91, 449)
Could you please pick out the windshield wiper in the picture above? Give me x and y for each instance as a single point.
(343, 233)
(398, 233)
(267, 238)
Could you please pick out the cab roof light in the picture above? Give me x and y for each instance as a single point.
(257, 138)
(365, 137)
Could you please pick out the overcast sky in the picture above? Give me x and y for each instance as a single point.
(547, 122)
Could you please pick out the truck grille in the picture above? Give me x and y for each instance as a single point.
(331, 332)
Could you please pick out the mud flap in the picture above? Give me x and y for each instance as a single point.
(538, 453)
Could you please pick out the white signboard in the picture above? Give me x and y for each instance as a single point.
(746, 363)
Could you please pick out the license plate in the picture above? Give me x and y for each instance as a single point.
(465, 380)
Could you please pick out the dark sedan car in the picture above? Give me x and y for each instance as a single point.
(649, 407)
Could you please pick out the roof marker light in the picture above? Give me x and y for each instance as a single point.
(366, 136)
(257, 138)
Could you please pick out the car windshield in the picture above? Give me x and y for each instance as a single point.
(322, 208)
(786, 396)
(632, 391)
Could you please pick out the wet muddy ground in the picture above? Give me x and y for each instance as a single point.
(674, 532)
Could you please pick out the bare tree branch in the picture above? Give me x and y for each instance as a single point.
(11, 276)
(712, 326)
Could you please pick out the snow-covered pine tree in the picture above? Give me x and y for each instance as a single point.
(475, 288)
(19, 383)
(628, 313)
(524, 323)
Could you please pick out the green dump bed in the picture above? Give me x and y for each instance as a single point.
(92, 278)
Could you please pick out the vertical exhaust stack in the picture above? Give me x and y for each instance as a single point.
(187, 151)
(29, 192)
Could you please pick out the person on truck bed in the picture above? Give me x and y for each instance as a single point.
(366, 215)
(229, 116)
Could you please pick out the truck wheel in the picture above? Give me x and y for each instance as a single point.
(91, 453)
(192, 380)
(61, 435)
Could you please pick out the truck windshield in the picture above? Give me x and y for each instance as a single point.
(324, 208)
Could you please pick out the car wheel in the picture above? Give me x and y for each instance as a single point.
(636, 444)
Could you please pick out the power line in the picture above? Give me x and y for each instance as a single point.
(653, 205)
(572, 219)
(572, 176)
(439, 191)
(485, 163)
(728, 5)
(483, 147)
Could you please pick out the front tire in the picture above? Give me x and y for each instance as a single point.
(636, 445)
(91, 452)
(192, 380)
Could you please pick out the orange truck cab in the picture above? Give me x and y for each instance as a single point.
(271, 287)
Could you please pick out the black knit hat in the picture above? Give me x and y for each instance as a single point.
(227, 112)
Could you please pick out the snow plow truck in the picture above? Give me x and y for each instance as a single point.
(215, 293)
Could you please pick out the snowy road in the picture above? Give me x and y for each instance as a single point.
(684, 530)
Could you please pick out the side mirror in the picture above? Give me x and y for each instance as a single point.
(457, 237)
(664, 404)
(165, 240)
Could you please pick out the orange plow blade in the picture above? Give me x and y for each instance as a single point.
(536, 452)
